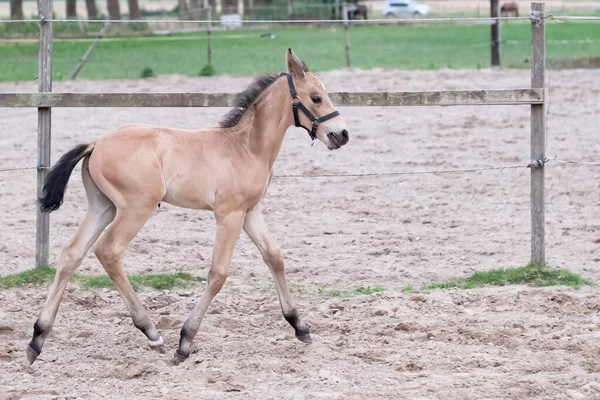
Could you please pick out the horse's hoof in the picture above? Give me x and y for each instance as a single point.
(32, 355)
(178, 358)
(157, 345)
(305, 338)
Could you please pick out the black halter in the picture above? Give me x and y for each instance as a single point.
(297, 104)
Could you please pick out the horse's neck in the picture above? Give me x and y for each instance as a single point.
(271, 118)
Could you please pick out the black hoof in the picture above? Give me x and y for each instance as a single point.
(304, 338)
(178, 358)
(32, 355)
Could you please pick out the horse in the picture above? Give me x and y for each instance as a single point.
(509, 8)
(361, 10)
(225, 169)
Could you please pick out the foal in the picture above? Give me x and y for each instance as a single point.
(226, 170)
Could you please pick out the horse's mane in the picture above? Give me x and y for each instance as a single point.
(245, 99)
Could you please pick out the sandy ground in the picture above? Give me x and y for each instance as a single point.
(336, 234)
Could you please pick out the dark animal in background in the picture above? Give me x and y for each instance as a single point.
(508, 8)
(360, 11)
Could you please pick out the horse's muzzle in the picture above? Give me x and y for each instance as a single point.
(337, 140)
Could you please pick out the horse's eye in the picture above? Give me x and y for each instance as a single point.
(316, 99)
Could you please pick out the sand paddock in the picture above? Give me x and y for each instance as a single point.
(336, 234)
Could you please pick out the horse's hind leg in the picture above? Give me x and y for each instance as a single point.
(257, 230)
(110, 250)
(101, 212)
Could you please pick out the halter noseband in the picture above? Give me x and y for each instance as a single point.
(297, 104)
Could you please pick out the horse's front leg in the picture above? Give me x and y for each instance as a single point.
(229, 226)
(257, 230)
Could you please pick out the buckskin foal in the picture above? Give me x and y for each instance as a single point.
(227, 170)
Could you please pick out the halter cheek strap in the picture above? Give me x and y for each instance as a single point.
(297, 105)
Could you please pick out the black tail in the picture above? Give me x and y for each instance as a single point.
(58, 177)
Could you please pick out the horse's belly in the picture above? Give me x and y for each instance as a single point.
(190, 196)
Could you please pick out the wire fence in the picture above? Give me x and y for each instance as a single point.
(347, 47)
(535, 164)
(556, 18)
(537, 63)
(210, 22)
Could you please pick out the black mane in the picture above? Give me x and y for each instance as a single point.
(245, 99)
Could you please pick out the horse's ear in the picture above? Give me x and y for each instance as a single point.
(295, 66)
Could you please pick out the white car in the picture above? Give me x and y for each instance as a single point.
(403, 8)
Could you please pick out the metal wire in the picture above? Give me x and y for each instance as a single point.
(273, 21)
(372, 174)
(595, 164)
(18, 169)
(556, 18)
(559, 18)
(367, 174)
(441, 171)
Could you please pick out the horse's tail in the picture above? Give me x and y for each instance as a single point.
(56, 181)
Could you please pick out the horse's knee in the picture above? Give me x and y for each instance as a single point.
(106, 254)
(216, 279)
(70, 258)
(272, 256)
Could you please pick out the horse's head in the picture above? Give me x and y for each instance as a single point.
(313, 107)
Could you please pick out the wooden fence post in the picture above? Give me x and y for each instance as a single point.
(208, 37)
(42, 248)
(538, 134)
(346, 38)
(495, 38)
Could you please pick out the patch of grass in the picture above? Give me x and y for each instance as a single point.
(351, 293)
(147, 73)
(155, 281)
(537, 275)
(36, 276)
(39, 276)
(208, 70)
(409, 288)
(299, 289)
(367, 290)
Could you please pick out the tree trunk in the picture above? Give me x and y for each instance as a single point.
(114, 11)
(182, 8)
(71, 9)
(92, 11)
(194, 5)
(16, 9)
(134, 9)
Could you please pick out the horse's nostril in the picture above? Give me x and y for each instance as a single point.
(345, 134)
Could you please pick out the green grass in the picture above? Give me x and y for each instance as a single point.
(39, 276)
(147, 73)
(360, 291)
(36, 276)
(531, 274)
(208, 70)
(408, 288)
(155, 281)
(421, 46)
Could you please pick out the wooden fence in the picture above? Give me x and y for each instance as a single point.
(534, 96)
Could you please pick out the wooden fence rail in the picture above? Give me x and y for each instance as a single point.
(341, 99)
(534, 97)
